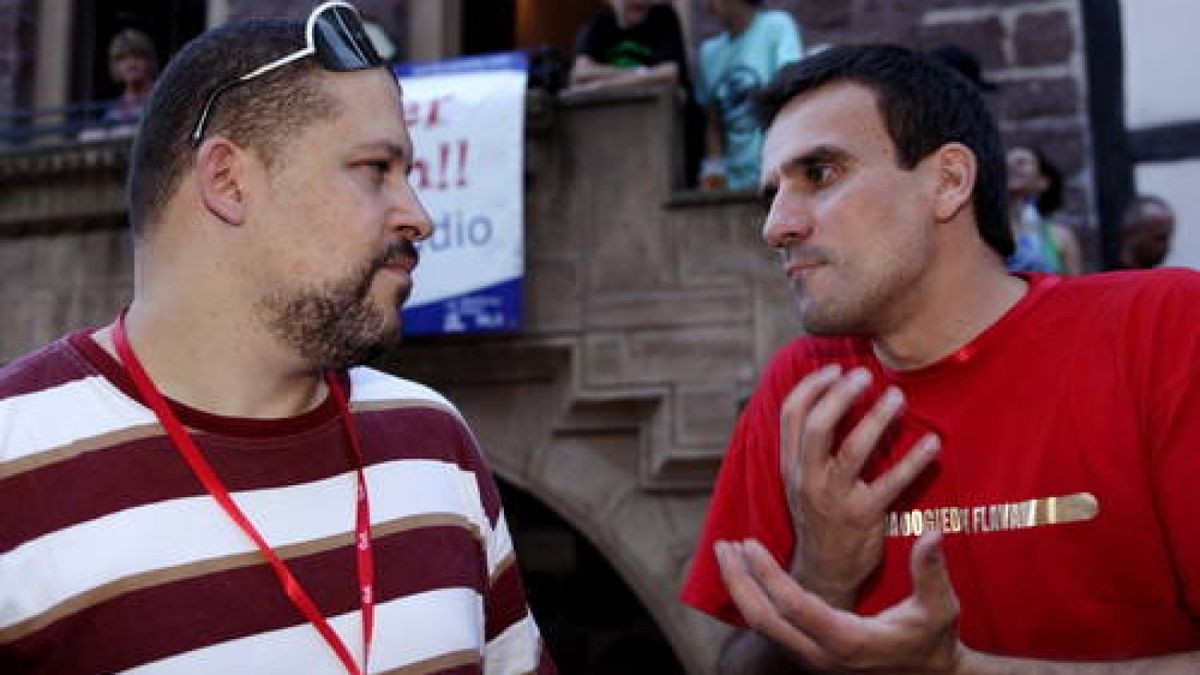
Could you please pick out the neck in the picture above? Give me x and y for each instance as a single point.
(137, 88)
(213, 361)
(739, 19)
(956, 308)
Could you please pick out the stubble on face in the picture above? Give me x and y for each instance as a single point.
(860, 302)
(337, 325)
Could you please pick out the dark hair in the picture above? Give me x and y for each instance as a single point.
(1051, 199)
(924, 104)
(261, 114)
(964, 61)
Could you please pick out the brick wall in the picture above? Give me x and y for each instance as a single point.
(1034, 49)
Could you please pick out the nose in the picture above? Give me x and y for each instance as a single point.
(787, 222)
(407, 215)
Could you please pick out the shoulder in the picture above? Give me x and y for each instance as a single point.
(1061, 233)
(373, 389)
(710, 46)
(50, 366)
(1131, 302)
(53, 397)
(1136, 287)
(777, 19)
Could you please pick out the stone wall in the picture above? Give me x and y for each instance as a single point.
(1033, 49)
(65, 257)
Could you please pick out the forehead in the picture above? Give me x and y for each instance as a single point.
(842, 115)
(368, 105)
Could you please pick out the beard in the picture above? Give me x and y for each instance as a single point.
(337, 325)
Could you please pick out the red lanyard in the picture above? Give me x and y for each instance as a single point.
(204, 471)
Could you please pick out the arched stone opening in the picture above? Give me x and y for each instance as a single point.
(591, 621)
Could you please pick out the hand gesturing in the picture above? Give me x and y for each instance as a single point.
(917, 635)
(839, 517)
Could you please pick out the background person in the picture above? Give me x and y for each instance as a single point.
(1035, 191)
(936, 478)
(633, 42)
(732, 65)
(638, 43)
(1146, 231)
(133, 65)
(212, 483)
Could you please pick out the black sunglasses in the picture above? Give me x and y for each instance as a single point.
(334, 34)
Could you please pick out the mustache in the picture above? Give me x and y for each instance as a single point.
(806, 254)
(395, 253)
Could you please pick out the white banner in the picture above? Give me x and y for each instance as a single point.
(467, 122)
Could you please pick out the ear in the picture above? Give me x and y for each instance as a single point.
(220, 168)
(957, 172)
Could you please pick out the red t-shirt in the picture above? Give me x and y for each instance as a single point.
(1068, 485)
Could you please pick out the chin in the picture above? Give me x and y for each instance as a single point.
(826, 320)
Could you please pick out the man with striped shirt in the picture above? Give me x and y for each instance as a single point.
(210, 484)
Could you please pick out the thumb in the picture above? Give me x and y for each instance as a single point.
(931, 580)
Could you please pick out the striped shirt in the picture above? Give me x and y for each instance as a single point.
(113, 556)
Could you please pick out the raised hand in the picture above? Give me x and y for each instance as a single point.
(917, 635)
(839, 517)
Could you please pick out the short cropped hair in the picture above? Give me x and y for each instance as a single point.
(1131, 218)
(924, 104)
(260, 115)
(1134, 213)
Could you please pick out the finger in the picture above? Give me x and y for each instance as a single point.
(779, 591)
(795, 411)
(863, 439)
(749, 598)
(887, 487)
(822, 623)
(816, 436)
(932, 587)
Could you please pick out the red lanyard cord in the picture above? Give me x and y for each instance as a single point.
(208, 477)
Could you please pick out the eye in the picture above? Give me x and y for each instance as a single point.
(819, 174)
(377, 170)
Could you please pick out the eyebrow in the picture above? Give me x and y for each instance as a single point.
(392, 150)
(821, 154)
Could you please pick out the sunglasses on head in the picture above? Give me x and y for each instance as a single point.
(334, 34)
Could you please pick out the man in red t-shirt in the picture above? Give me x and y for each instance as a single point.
(962, 470)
